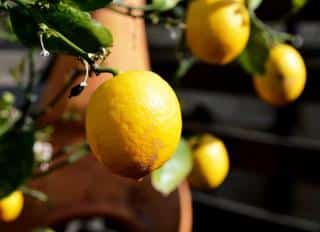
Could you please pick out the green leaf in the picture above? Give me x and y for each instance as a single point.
(167, 178)
(8, 114)
(185, 64)
(253, 4)
(255, 55)
(163, 5)
(16, 160)
(6, 32)
(298, 4)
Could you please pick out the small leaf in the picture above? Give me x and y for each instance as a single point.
(298, 4)
(255, 55)
(185, 64)
(253, 4)
(16, 160)
(167, 178)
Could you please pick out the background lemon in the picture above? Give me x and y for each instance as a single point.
(11, 206)
(217, 31)
(133, 123)
(284, 78)
(211, 162)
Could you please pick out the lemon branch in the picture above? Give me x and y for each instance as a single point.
(80, 151)
(271, 35)
(70, 81)
(147, 7)
(151, 16)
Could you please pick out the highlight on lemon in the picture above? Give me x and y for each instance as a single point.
(133, 123)
(210, 162)
(11, 206)
(284, 78)
(217, 31)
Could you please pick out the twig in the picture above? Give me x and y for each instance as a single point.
(34, 193)
(100, 69)
(140, 8)
(74, 75)
(151, 16)
(74, 157)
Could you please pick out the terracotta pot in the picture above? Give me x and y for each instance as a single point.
(87, 188)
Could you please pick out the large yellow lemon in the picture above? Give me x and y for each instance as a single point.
(211, 162)
(284, 78)
(11, 206)
(133, 123)
(217, 31)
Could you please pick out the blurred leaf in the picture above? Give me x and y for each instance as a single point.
(17, 71)
(8, 122)
(253, 4)
(255, 55)
(163, 5)
(8, 114)
(6, 32)
(16, 160)
(45, 133)
(47, 229)
(167, 178)
(185, 64)
(298, 4)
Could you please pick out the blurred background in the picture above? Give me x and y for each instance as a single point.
(274, 182)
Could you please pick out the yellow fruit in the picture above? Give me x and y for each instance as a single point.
(217, 31)
(133, 123)
(284, 78)
(11, 206)
(211, 162)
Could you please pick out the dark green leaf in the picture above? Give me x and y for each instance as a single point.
(253, 4)
(185, 64)
(167, 178)
(88, 5)
(298, 4)
(6, 32)
(255, 55)
(16, 160)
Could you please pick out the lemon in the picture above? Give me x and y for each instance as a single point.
(133, 123)
(11, 206)
(217, 31)
(284, 78)
(211, 162)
